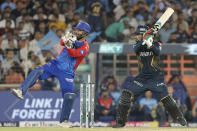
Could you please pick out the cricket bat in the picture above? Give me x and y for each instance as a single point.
(162, 20)
(158, 25)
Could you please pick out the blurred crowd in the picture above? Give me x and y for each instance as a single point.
(146, 107)
(23, 23)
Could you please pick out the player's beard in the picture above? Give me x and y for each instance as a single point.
(80, 36)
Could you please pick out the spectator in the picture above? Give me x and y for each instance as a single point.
(57, 12)
(59, 33)
(20, 18)
(36, 63)
(132, 20)
(115, 30)
(13, 77)
(194, 112)
(105, 106)
(22, 34)
(42, 27)
(119, 11)
(181, 20)
(77, 18)
(34, 44)
(9, 61)
(173, 38)
(47, 55)
(8, 9)
(6, 17)
(25, 50)
(140, 7)
(187, 10)
(28, 26)
(108, 80)
(17, 12)
(7, 28)
(58, 24)
(148, 105)
(130, 38)
(11, 46)
(39, 16)
(193, 36)
(97, 15)
(9, 37)
(28, 63)
(114, 92)
(8, 3)
(192, 20)
(165, 32)
(182, 35)
(2, 75)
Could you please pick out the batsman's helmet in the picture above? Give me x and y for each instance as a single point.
(141, 29)
(83, 26)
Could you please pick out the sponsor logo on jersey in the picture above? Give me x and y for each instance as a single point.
(146, 53)
(82, 52)
(69, 80)
(160, 84)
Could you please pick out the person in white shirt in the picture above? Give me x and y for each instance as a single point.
(6, 16)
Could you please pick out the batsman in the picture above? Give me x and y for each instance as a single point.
(150, 77)
(63, 68)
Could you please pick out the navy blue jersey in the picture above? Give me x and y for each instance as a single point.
(148, 59)
(96, 8)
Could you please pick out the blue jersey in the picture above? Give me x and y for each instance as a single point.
(69, 59)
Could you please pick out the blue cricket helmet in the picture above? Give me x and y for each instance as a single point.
(141, 29)
(83, 26)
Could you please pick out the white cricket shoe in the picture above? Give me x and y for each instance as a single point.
(17, 93)
(65, 124)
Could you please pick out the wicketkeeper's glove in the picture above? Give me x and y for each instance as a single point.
(68, 38)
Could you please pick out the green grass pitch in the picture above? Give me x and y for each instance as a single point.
(99, 129)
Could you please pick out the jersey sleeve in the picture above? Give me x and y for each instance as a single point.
(156, 48)
(137, 47)
(82, 51)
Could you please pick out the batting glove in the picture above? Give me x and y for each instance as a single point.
(149, 42)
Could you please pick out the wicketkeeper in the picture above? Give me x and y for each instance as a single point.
(63, 67)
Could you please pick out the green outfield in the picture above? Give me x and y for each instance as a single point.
(99, 129)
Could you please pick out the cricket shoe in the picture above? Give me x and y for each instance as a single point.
(182, 121)
(17, 93)
(65, 124)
